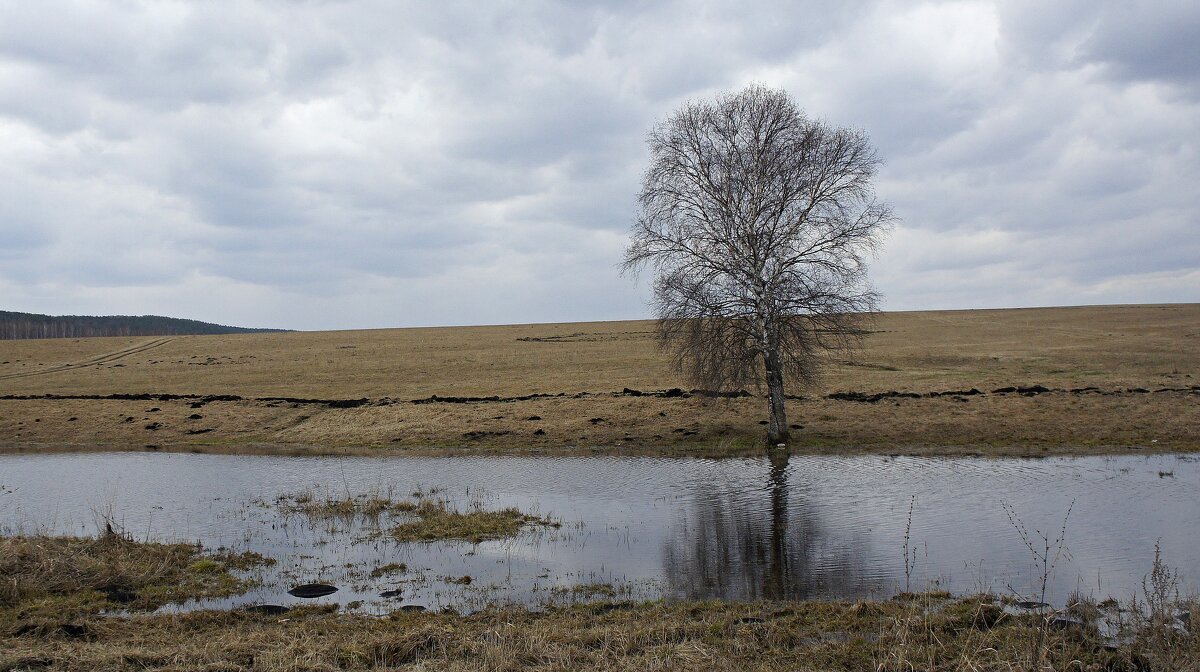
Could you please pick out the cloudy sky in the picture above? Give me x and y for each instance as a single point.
(344, 164)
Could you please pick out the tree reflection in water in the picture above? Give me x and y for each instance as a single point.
(763, 544)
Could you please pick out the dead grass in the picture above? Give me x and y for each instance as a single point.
(435, 521)
(51, 618)
(316, 507)
(426, 518)
(48, 582)
(937, 633)
(1112, 348)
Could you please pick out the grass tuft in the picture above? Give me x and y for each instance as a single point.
(435, 521)
(48, 582)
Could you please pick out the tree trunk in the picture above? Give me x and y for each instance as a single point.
(777, 428)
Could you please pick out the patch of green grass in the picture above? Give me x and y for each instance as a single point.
(49, 581)
(308, 504)
(390, 568)
(433, 520)
(591, 590)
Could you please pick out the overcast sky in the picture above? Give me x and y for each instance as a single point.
(346, 164)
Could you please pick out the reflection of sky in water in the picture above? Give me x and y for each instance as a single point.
(737, 529)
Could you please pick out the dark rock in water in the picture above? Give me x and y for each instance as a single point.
(268, 609)
(412, 607)
(392, 593)
(310, 590)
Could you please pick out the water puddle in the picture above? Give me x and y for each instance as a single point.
(638, 528)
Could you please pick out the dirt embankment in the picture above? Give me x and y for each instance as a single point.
(1009, 420)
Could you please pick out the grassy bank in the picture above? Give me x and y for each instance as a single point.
(924, 632)
(56, 589)
(55, 585)
(996, 382)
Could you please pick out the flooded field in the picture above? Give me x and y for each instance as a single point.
(808, 527)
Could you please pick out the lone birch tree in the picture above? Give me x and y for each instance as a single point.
(757, 222)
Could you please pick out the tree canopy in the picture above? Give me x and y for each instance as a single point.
(758, 223)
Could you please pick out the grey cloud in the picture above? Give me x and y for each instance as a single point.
(1148, 41)
(371, 163)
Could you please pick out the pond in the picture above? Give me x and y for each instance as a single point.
(641, 528)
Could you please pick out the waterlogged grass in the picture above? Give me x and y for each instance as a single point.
(423, 518)
(434, 520)
(328, 508)
(46, 583)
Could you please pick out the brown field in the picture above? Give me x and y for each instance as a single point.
(1117, 350)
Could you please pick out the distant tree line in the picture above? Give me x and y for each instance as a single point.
(31, 325)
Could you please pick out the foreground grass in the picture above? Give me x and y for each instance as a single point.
(55, 590)
(47, 584)
(925, 633)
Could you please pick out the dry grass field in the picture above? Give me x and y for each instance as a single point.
(1116, 378)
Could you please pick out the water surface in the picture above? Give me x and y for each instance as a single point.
(808, 527)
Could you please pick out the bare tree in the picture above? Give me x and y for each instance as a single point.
(758, 222)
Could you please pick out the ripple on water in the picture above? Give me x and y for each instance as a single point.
(811, 526)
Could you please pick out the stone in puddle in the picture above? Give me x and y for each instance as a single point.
(391, 593)
(310, 590)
